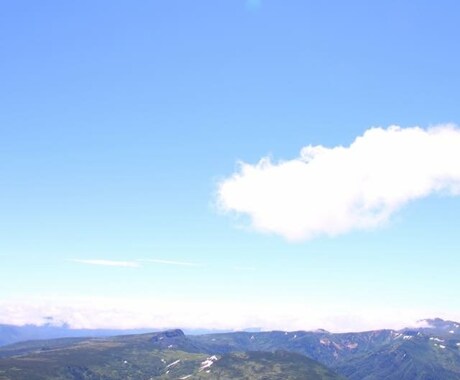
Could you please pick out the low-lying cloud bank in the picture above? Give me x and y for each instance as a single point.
(331, 191)
(129, 313)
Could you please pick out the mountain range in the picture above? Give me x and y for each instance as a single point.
(428, 352)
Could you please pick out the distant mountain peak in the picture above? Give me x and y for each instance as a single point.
(168, 334)
(431, 320)
(439, 323)
(321, 331)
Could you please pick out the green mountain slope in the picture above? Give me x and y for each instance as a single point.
(322, 346)
(166, 355)
(431, 352)
(384, 354)
(279, 365)
(412, 357)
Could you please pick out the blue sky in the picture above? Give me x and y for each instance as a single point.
(120, 123)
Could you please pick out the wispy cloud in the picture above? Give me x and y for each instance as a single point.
(331, 191)
(107, 263)
(171, 262)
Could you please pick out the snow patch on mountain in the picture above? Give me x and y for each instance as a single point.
(208, 362)
(173, 363)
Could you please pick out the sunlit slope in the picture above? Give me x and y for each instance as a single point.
(166, 355)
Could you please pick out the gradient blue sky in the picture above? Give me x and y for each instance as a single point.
(119, 120)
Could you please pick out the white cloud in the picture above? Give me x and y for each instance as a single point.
(331, 191)
(155, 313)
(107, 263)
(171, 262)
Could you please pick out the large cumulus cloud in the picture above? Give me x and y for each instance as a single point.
(331, 191)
